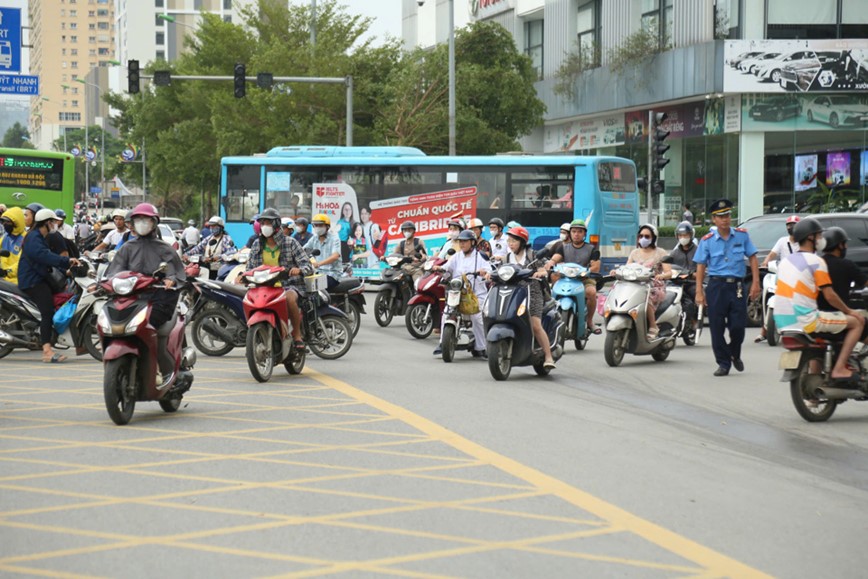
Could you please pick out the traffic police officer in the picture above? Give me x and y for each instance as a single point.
(721, 255)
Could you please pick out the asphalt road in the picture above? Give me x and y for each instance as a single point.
(391, 462)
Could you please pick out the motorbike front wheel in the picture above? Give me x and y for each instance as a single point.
(772, 335)
(337, 340)
(499, 363)
(355, 317)
(170, 405)
(579, 342)
(260, 353)
(90, 339)
(809, 408)
(295, 363)
(383, 310)
(613, 349)
(118, 387)
(7, 326)
(755, 313)
(419, 322)
(208, 343)
(447, 342)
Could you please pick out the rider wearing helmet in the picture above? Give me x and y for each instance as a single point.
(191, 235)
(273, 247)
(453, 228)
(682, 257)
(843, 272)
(412, 247)
(802, 277)
(287, 224)
(648, 254)
(498, 244)
(579, 251)
(214, 247)
(11, 240)
(563, 235)
(329, 245)
(30, 213)
(113, 238)
(482, 245)
(65, 228)
(144, 253)
(467, 260)
(785, 245)
(302, 235)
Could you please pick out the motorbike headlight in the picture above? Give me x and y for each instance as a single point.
(393, 260)
(505, 273)
(242, 258)
(456, 284)
(138, 319)
(629, 275)
(103, 323)
(570, 271)
(124, 286)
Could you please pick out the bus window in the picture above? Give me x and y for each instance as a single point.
(402, 181)
(617, 177)
(242, 192)
(277, 191)
(490, 186)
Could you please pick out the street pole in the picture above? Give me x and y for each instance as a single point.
(312, 25)
(451, 78)
(650, 162)
(144, 173)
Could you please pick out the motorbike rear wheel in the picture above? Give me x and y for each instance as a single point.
(688, 335)
(295, 363)
(90, 339)
(260, 352)
(337, 340)
(8, 327)
(499, 363)
(755, 313)
(418, 323)
(205, 342)
(355, 317)
(661, 354)
(447, 342)
(613, 349)
(579, 342)
(170, 405)
(772, 335)
(118, 384)
(809, 408)
(383, 310)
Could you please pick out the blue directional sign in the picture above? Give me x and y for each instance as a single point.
(19, 84)
(10, 40)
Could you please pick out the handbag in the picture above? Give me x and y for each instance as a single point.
(56, 279)
(469, 303)
(63, 316)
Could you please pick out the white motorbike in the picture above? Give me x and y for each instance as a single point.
(626, 321)
(770, 281)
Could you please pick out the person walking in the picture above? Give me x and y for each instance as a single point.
(721, 256)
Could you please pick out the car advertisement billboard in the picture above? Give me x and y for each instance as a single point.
(781, 66)
(791, 112)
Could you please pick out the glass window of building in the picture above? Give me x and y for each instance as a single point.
(227, 4)
(227, 18)
(810, 19)
(657, 18)
(533, 44)
(161, 55)
(159, 21)
(589, 22)
(854, 19)
(158, 3)
(161, 38)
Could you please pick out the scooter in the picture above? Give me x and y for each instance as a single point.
(395, 291)
(770, 282)
(217, 320)
(509, 336)
(325, 329)
(233, 265)
(626, 321)
(569, 292)
(349, 297)
(688, 325)
(425, 308)
(130, 346)
(457, 327)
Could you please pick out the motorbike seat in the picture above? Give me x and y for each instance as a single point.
(166, 328)
(667, 301)
(346, 284)
(12, 289)
(231, 288)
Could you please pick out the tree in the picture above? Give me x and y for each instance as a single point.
(17, 136)
(113, 148)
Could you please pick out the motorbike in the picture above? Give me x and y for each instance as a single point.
(807, 362)
(457, 327)
(688, 325)
(626, 321)
(770, 282)
(217, 319)
(509, 337)
(325, 329)
(20, 318)
(569, 292)
(349, 297)
(425, 308)
(233, 265)
(130, 346)
(395, 291)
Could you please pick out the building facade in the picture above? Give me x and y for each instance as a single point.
(767, 100)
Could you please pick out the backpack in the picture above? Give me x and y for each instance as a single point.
(417, 245)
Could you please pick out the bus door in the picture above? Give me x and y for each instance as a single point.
(616, 218)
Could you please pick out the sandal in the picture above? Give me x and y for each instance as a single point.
(55, 359)
(759, 339)
(653, 333)
(298, 345)
(549, 365)
(595, 330)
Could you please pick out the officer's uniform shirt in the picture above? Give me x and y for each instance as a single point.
(725, 257)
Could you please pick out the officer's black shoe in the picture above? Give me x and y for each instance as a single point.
(721, 371)
(479, 354)
(738, 364)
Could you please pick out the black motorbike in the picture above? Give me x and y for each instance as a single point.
(349, 297)
(395, 291)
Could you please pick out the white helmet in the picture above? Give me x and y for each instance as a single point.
(287, 222)
(119, 213)
(565, 227)
(44, 215)
(216, 220)
(475, 222)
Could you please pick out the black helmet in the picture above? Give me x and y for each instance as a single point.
(683, 228)
(301, 222)
(467, 234)
(496, 221)
(835, 236)
(805, 228)
(269, 213)
(408, 225)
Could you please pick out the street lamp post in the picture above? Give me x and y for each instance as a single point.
(102, 143)
(86, 142)
(451, 75)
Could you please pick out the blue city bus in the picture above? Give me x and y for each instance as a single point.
(391, 185)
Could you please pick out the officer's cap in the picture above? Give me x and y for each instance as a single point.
(721, 207)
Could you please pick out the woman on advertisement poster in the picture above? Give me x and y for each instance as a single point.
(347, 218)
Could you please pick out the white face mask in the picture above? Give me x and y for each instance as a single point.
(408, 234)
(644, 242)
(320, 231)
(52, 227)
(563, 236)
(820, 243)
(451, 234)
(685, 241)
(143, 226)
(266, 230)
(493, 231)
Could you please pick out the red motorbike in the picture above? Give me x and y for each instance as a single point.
(426, 307)
(130, 346)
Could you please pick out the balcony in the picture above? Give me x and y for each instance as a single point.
(681, 73)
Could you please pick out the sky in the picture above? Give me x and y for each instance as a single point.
(386, 14)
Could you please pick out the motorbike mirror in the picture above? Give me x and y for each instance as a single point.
(417, 255)
(161, 270)
(484, 256)
(315, 253)
(450, 252)
(544, 253)
(773, 266)
(5, 253)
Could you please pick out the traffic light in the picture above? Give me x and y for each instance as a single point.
(133, 76)
(240, 80)
(265, 80)
(659, 148)
(162, 78)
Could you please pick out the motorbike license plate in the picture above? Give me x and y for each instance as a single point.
(453, 298)
(789, 360)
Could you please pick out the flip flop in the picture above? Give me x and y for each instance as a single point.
(851, 378)
(55, 359)
(298, 345)
(759, 339)
(595, 331)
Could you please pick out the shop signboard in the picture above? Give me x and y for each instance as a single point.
(594, 133)
(732, 115)
(482, 9)
(781, 66)
(682, 121)
(791, 112)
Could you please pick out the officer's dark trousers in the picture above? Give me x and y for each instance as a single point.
(726, 311)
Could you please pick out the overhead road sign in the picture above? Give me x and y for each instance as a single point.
(19, 84)
(10, 40)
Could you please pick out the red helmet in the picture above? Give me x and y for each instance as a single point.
(519, 233)
(793, 219)
(145, 210)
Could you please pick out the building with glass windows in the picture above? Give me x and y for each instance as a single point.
(767, 100)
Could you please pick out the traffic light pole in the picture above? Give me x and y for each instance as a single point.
(651, 175)
(346, 81)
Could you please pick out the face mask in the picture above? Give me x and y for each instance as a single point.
(451, 235)
(216, 230)
(820, 244)
(143, 226)
(843, 252)
(8, 227)
(267, 230)
(52, 227)
(563, 236)
(493, 231)
(684, 241)
(320, 231)
(408, 234)
(644, 242)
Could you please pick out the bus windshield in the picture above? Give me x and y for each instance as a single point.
(44, 177)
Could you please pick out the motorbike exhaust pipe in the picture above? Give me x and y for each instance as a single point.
(218, 332)
(188, 358)
(839, 393)
(8, 339)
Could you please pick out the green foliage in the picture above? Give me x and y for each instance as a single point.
(17, 136)
(576, 61)
(833, 199)
(669, 230)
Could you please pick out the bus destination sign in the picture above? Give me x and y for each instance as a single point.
(31, 172)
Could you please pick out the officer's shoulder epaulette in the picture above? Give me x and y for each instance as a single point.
(741, 229)
(708, 235)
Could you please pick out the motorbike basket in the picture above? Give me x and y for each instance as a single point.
(315, 282)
